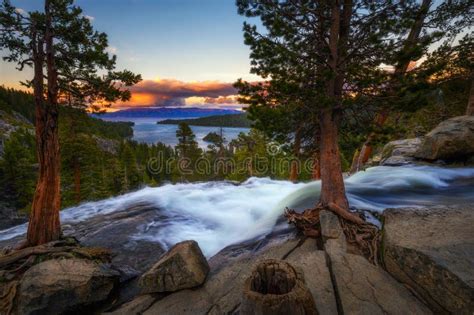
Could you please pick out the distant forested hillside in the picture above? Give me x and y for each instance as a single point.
(98, 159)
(238, 121)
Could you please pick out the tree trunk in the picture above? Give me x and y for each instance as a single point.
(355, 158)
(470, 101)
(366, 150)
(294, 171)
(332, 183)
(44, 223)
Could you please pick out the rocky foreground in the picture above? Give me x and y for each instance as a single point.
(428, 253)
(428, 257)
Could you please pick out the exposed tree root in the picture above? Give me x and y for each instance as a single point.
(360, 233)
(307, 221)
(7, 297)
(345, 214)
(365, 236)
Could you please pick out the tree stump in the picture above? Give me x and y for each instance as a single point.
(276, 288)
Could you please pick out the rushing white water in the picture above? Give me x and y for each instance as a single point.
(217, 214)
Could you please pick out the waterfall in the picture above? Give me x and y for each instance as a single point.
(217, 214)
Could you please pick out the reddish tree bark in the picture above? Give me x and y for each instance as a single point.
(332, 183)
(333, 193)
(44, 223)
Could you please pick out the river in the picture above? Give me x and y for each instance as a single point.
(218, 214)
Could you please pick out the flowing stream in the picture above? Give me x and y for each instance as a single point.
(218, 214)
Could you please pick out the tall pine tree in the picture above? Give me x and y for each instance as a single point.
(326, 51)
(71, 66)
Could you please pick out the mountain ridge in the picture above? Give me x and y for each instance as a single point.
(168, 112)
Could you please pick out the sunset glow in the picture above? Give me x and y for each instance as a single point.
(175, 93)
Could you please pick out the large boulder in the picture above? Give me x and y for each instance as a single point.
(453, 139)
(367, 289)
(64, 285)
(400, 152)
(182, 267)
(432, 251)
(363, 288)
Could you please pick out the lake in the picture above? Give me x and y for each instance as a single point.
(148, 131)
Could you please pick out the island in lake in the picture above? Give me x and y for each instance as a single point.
(234, 120)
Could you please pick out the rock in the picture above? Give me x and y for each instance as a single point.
(182, 267)
(222, 292)
(276, 287)
(330, 226)
(332, 233)
(113, 230)
(362, 288)
(453, 139)
(432, 251)
(64, 285)
(137, 306)
(400, 152)
(374, 160)
(313, 263)
(366, 289)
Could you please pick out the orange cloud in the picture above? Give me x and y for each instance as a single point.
(170, 92)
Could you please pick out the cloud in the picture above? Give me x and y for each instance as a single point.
(90, 18)
(20, 11)
(111, 49)
(174, 93)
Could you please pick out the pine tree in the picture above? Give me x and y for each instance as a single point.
(65, 53)
(188, 151)
(325, 52)
(430, 22)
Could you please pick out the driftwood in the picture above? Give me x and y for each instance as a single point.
(29, 251)
(19, 260)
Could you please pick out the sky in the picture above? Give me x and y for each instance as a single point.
(189, 52)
